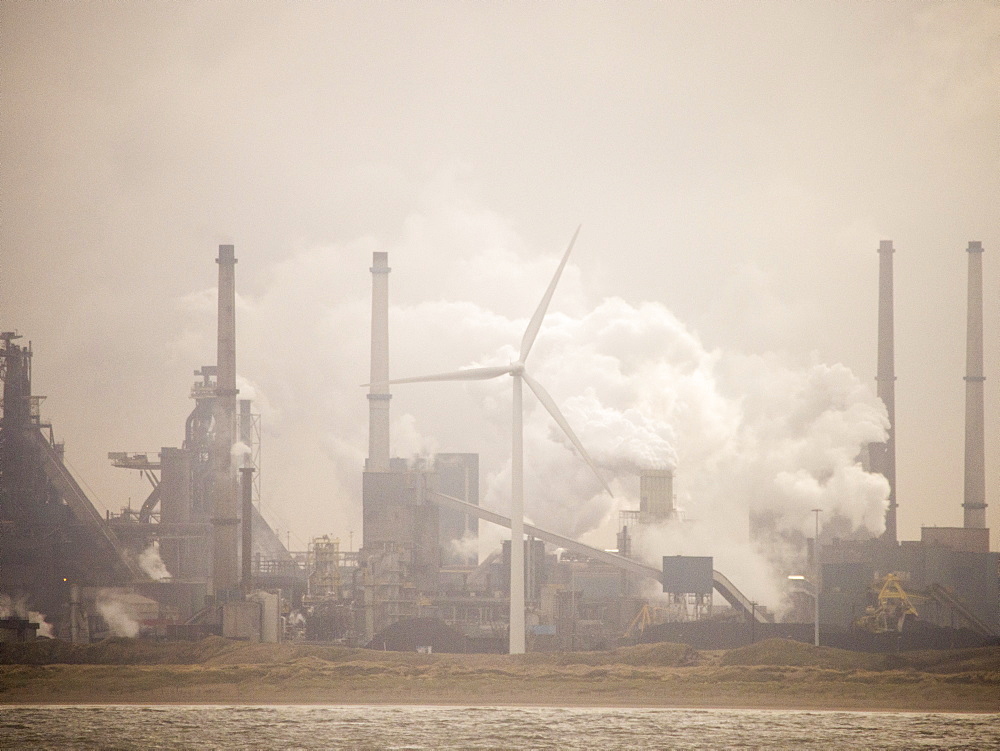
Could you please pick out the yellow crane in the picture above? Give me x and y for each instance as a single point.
(645, 617)
(894, 605)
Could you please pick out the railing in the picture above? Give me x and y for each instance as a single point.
(279, 567)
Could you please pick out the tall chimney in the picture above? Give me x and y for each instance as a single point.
(225, 513)
(378, 393)
(975, 453)
(883, 455)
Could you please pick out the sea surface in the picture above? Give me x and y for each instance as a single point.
(437, 728)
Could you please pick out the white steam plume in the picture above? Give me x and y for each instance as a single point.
(757, 434)
(151, 562)
(239, 455)
(11, 608)
(117, 613)
(466, 547)
(750, 437)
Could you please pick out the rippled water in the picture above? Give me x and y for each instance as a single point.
(398, 727)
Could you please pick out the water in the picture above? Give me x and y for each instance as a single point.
(439, 728)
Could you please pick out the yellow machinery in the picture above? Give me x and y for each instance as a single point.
(893, 608)
(645, 617)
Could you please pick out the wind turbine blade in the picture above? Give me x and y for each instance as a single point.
(549, 403)
(536, 320)
(468, 374)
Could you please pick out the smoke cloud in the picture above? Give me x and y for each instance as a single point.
(754, 438)
(750, 438)
(748, 159)
(152, 564)
(466, 547)
(239, 456)
(16, 608)
(117, 613)
(766, 437)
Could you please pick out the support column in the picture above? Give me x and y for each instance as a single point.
(516, 641)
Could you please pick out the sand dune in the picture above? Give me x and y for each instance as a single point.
(773, 673)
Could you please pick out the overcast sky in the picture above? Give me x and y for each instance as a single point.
(734, 166)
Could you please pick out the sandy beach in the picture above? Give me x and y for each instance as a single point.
(772, 674)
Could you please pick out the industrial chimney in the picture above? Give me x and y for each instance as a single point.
(225, 512)
(975, 453)
(883, 455)
(378, 393)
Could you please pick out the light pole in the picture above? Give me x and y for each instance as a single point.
(816, 582)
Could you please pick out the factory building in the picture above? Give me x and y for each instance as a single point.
(954, 577)
(419, 525)
(458, 476)
(52, 538)
(417, 581)
(193, 552)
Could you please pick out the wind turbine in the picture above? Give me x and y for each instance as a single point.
(519, 374)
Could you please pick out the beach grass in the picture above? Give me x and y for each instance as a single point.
(774, 673)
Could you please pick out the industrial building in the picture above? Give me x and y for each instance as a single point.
(952, 568)
(51, 536)
(188, 550)
(413, 583)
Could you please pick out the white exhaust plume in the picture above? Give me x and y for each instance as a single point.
(466, 547)
(745, 433)
(10, 608)
(749, 436)
(151, 562)
(409, 443)
(239, 455)
(116, 613)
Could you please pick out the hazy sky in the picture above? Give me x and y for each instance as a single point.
(734, 166)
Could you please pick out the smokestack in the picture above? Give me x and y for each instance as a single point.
(883, 455)
(225, 513)
(378, 393)
(975, 453)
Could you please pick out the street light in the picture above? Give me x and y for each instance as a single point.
(815, 583)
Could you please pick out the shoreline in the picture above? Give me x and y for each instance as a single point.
(496, 705)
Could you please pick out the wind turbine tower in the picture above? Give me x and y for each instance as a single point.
(520, 376)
